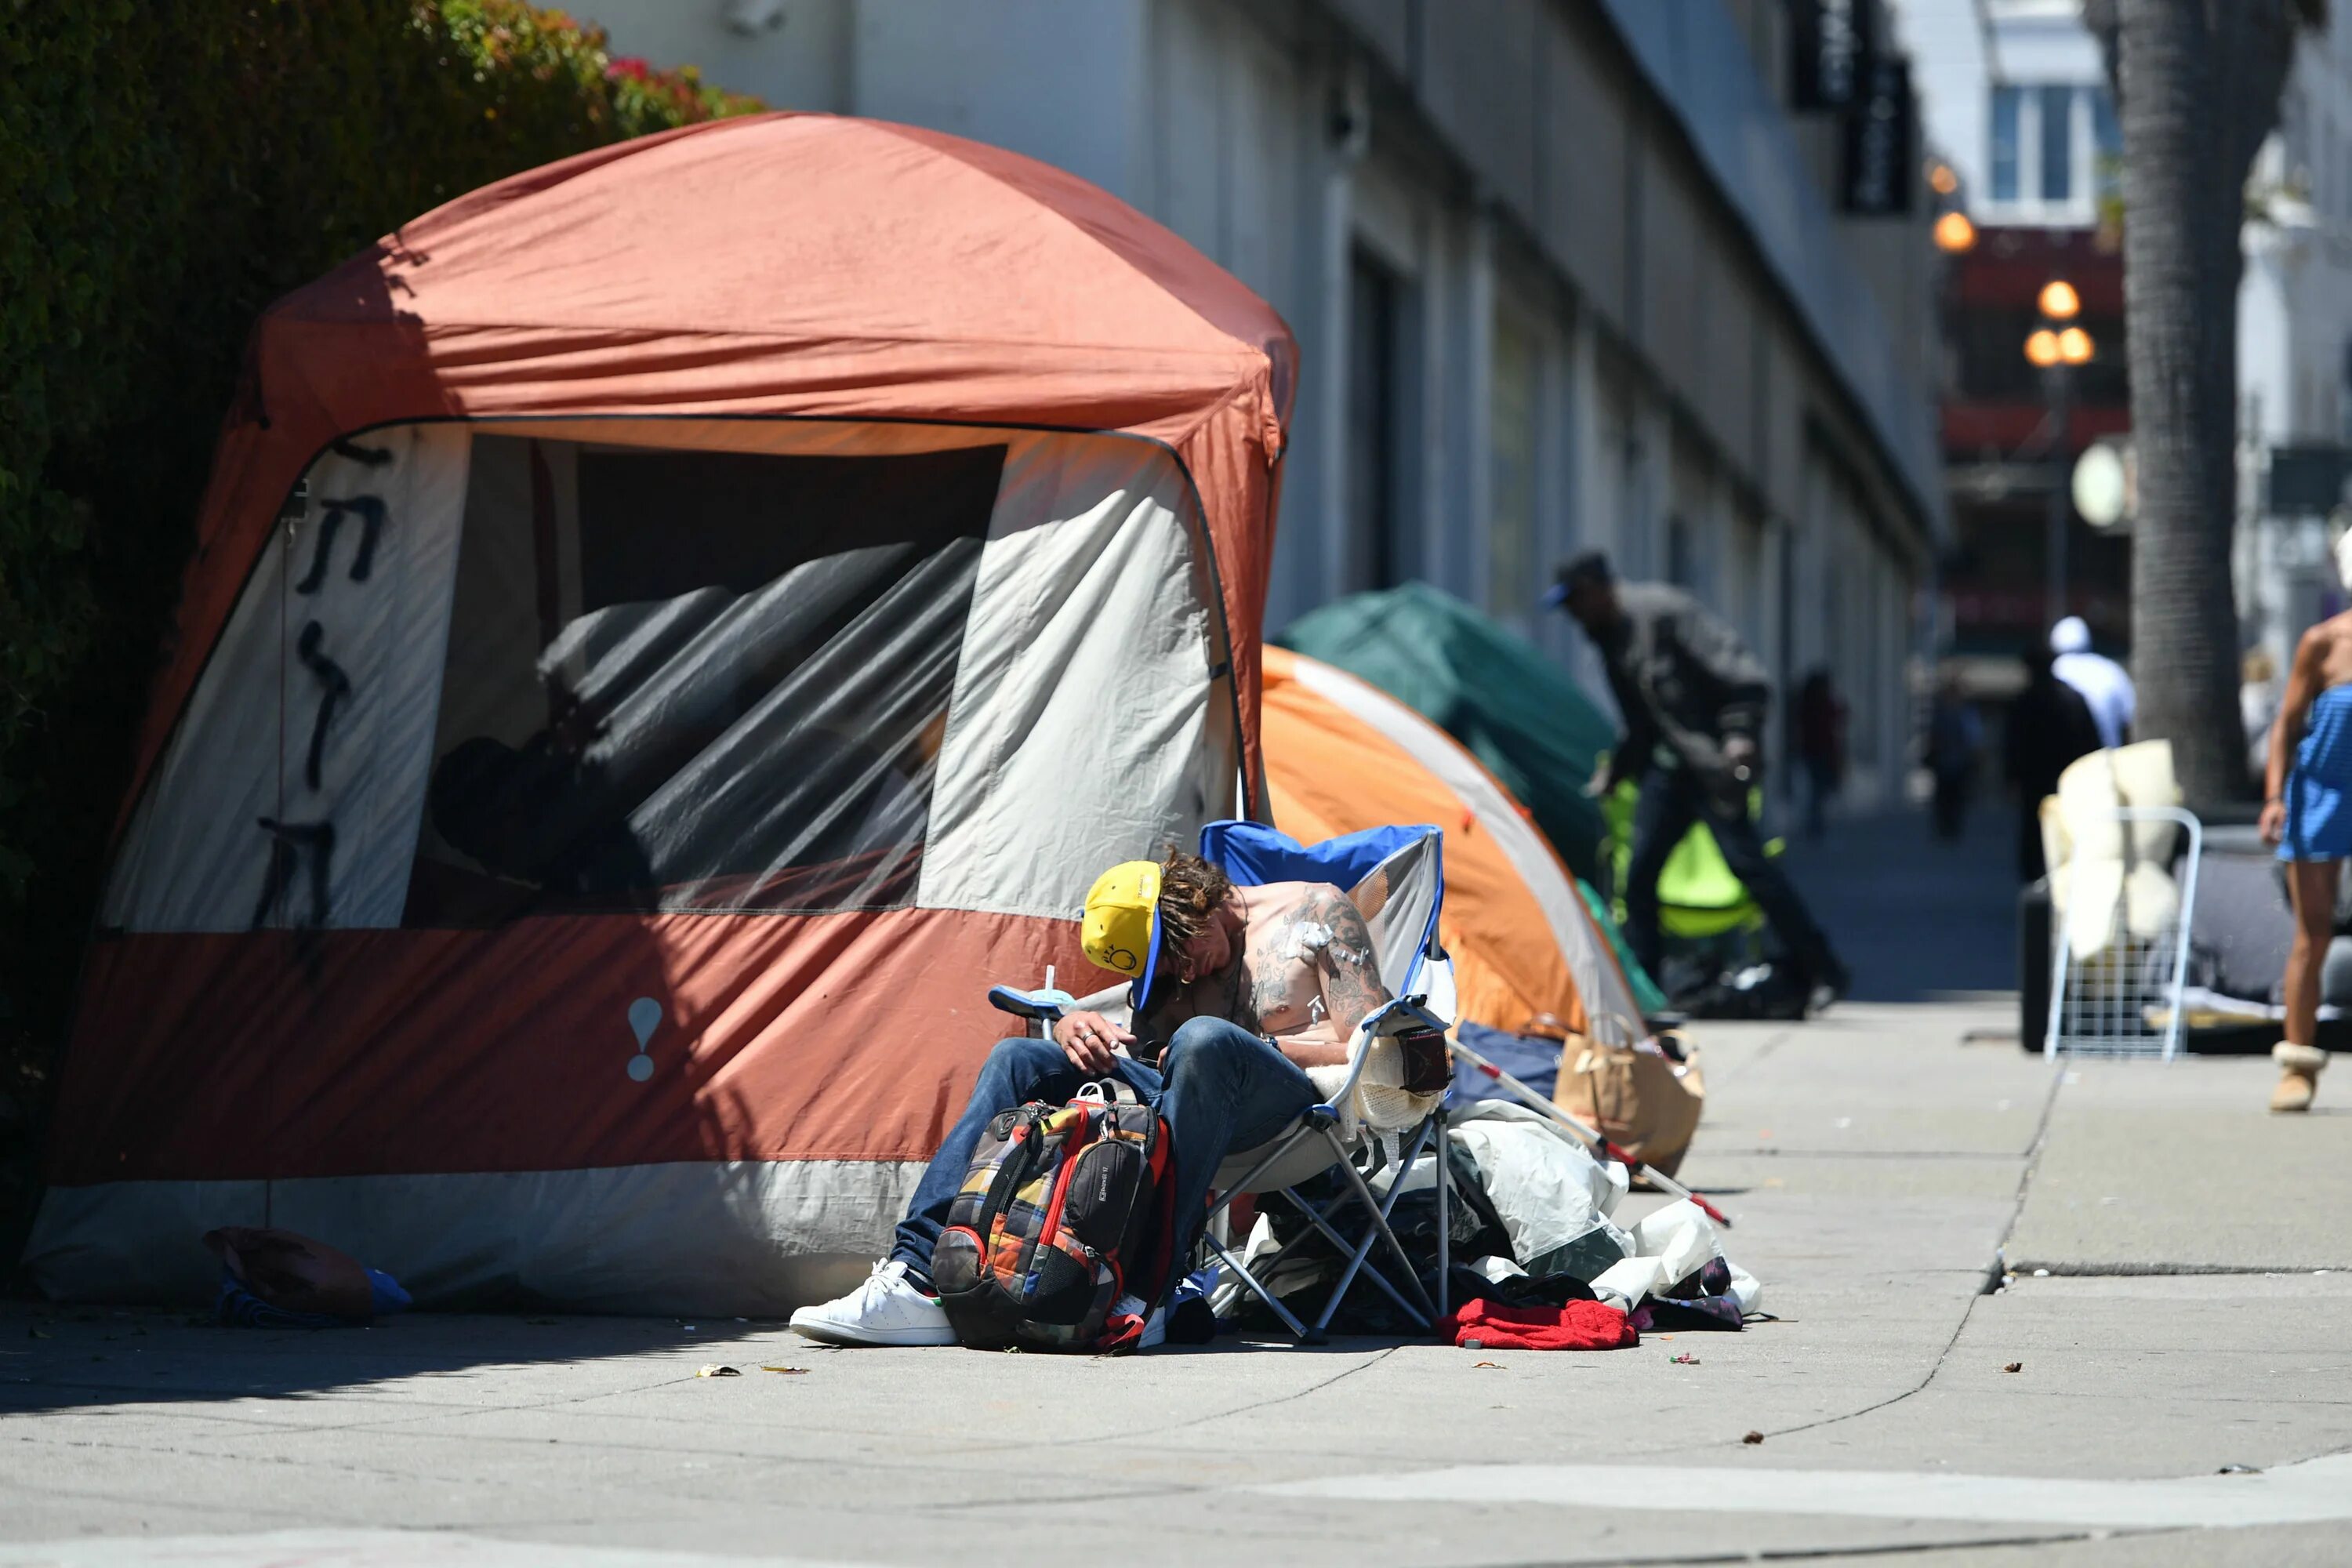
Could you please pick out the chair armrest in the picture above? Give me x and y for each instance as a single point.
(1403, 1015)
(1044, 1007)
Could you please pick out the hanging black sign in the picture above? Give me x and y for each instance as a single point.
(1828, 42)
(1882, 141)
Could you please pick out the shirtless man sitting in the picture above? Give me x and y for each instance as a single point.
(1235, 991)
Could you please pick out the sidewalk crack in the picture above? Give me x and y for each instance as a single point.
(1991, 1279)
(1295, 1394)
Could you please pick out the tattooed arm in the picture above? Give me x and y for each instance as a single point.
(1347, 972)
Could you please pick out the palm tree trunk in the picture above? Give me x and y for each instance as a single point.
(2181, 266)
(2199, 86)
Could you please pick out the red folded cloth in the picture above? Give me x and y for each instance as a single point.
(1578, 1326)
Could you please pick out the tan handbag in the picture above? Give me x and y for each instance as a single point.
(1640, 1098)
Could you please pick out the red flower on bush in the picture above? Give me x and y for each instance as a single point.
(632, 67)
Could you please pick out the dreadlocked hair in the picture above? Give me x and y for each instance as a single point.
(1191, 891)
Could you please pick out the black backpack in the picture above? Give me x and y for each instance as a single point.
(1063, 1214)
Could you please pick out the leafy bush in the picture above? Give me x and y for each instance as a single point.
(167, 168)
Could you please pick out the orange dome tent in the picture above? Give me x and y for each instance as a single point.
(1343, 755)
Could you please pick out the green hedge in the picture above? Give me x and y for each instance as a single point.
(167, 168)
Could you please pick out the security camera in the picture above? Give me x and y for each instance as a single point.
(750, 17)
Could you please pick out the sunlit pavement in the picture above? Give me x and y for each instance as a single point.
(2168, 1391)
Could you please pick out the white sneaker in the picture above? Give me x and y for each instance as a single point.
(887, 1309)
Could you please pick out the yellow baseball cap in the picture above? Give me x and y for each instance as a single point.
(1121, 928)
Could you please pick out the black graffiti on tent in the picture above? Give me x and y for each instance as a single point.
(289, 843)
(337, 686)
(365, 457)
(371, 513)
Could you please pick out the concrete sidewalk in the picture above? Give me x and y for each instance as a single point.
(1878, 1166)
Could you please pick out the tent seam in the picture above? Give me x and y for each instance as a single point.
(1246, 357)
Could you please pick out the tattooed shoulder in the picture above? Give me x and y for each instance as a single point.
(1346, 962)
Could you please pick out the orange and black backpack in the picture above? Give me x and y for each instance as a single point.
(1060, 1237)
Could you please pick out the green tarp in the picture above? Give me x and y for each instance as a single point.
(1488, 687)
(1492, 690)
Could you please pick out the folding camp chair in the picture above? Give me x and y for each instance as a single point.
(1361, 1128)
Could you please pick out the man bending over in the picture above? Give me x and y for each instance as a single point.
(1234, 990)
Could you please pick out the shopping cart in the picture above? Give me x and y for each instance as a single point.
(2120, 962)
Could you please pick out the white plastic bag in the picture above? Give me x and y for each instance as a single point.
(1549, 1192)
(1670, 1247)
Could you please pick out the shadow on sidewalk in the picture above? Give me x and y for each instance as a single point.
(99, 1359)
(1916, 918)
(92, 1358)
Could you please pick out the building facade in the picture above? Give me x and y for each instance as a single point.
(2018, 110)
(1568, 274)
(2295, 352)
(2017, 104)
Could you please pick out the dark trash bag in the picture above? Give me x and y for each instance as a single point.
(1701, 1301)
(283, 1279)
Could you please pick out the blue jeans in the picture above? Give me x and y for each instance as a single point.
(1221, 1088)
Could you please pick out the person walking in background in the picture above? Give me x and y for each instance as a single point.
(2049, 725)
(2307, 813)
(1820, 746)
(1692, 697)
(2113, 699)
(1955, 736)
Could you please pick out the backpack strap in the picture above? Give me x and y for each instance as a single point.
(1110, 1090)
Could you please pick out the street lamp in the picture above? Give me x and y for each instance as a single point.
(1955, 233)
(2055, 348)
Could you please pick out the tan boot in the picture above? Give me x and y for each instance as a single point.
(2299, 1078)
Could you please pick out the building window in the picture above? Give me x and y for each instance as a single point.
(2057, 144)
(2008, 104)
(1379, 555)
(2054, 149)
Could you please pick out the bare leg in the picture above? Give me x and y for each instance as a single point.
(2313, 885)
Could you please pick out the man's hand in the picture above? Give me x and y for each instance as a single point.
(1089, 1039)
(1739, 752)
(1604, 780)
(2273, 825)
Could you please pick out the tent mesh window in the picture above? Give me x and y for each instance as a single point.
(695, 680)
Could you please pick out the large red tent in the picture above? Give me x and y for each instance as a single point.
(667, 630)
